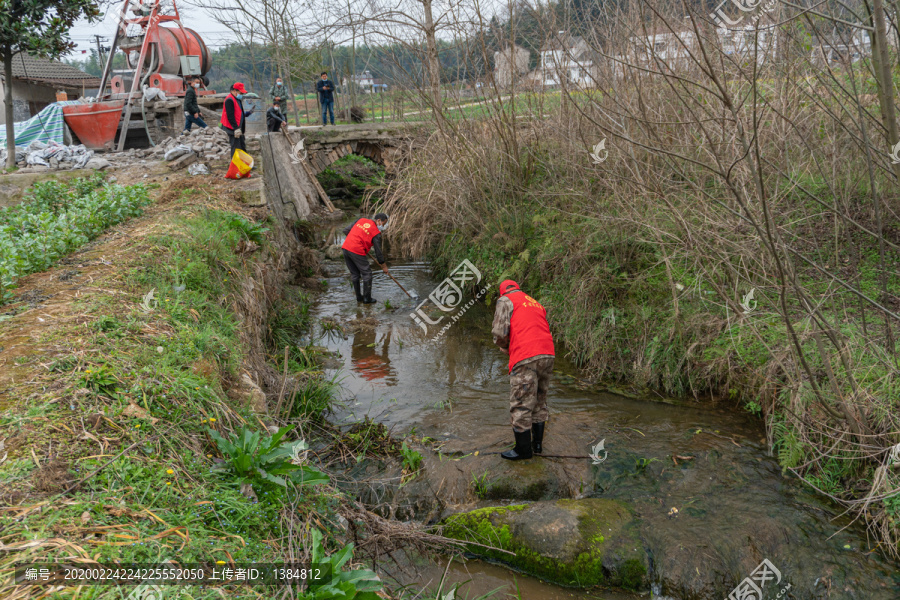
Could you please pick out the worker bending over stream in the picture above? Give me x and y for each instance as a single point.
(362, 236)
(521, 330)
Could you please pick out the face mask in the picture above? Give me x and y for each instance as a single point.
(196, 85)
(278, 84)
(382, 227)
(239, 96)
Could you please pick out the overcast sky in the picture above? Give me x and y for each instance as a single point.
(214, 34)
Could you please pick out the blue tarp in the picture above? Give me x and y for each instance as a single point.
(46, 126)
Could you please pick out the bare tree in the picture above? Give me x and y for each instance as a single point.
(743, 159)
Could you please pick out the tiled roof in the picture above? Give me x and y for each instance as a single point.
(30, 68)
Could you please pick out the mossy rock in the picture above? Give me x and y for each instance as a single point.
(530, 481)
(580, 543)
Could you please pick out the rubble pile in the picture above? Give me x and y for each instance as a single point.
(52, 155)
(208, 144)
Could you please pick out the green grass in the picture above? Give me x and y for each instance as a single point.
(55, 218)
(146, 379)
(354, 173)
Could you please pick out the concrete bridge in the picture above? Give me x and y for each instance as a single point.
(383, 143)
(290, 185)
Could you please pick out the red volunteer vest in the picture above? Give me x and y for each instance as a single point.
(237, 113)
(359, 240)
(529, 332)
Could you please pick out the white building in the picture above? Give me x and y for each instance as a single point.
(509, 64)
(841, 49)
(366, 82)
(36, 83)
(566, 58)
(661, 46)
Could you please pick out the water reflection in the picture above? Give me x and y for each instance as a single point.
(370, 356)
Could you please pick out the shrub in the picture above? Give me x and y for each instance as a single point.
(270, 461)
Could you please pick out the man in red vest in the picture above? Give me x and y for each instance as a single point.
(234, 118)
(521, 329)
(362, 236)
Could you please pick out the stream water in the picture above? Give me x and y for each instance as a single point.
(712, 504)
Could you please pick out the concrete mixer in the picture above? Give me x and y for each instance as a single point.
(160, 53)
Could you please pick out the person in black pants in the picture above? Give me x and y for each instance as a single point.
(364, 235)
(275, 120)
(191, 108)
(234, 118)
(325, 87)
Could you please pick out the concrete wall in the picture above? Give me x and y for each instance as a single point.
(290, 194)
(29, 99)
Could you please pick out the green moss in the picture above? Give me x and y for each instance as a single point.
(505, 489)
(631, 574)
(598, 558)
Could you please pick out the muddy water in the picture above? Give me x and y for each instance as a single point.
(712, 504)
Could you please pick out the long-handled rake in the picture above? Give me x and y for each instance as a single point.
(413, 294)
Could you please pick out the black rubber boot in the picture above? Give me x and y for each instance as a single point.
(522, 449)
(359, 296)
(367, 293)
(537, 437)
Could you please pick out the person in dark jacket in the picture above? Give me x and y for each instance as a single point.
(191, 108)
(325, 88)
(277, 92)
(362, 236)
(275, 119)
(234, 118)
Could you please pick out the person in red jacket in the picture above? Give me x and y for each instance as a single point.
(363, 235)
(521, 330)
(234, 118)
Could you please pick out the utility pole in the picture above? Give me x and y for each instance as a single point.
(100, 47)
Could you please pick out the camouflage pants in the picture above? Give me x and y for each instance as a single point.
(528, 395)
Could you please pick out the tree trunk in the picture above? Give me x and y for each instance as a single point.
(882, 64)
(434, 67)
(8, 103)
(352, 83)
(290, 89)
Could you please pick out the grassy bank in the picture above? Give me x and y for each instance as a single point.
(133, 428)
(661, 275)
(349, 177)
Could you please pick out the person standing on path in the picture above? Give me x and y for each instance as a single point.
(325, 88)
(191, 108)
(234, 118)
(363, 235)
(521, 330)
